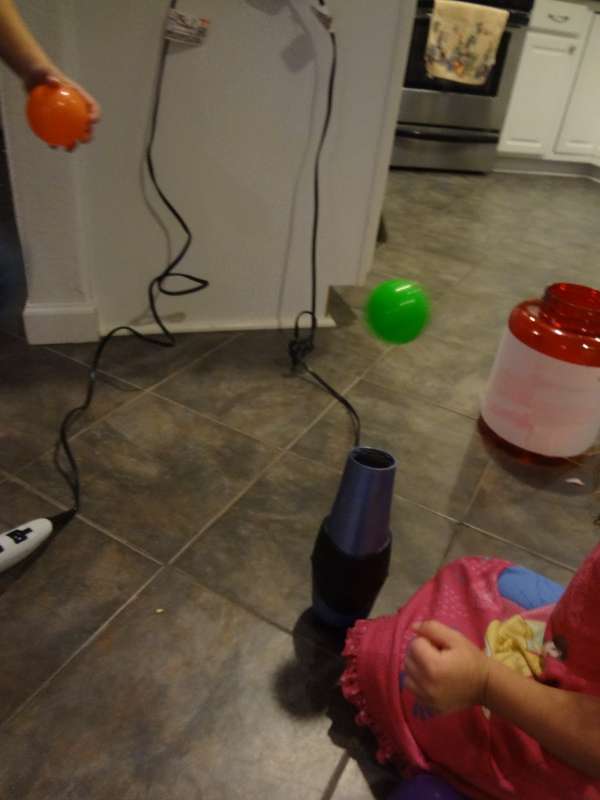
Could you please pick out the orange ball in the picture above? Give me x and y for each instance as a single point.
(59, 115)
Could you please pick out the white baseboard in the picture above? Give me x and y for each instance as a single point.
(538, 166)
(57, 323)
(60, 323)
(201, 326)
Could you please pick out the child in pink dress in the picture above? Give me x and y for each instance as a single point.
(500, 700)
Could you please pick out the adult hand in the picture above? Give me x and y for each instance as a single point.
(51, 76)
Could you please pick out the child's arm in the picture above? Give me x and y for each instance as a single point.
(22, 53)
(447, 672)
(566, 724)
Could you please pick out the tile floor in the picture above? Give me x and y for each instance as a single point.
(160, 647)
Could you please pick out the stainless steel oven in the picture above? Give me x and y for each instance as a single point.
(448, 125)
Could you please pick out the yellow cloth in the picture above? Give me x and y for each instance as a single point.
(517, 643)
(463, 41)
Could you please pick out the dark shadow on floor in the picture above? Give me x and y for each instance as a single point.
(13, 288)
(317, 665)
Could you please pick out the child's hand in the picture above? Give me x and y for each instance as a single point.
(444, 670)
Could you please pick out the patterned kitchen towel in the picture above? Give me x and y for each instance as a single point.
(463, 40)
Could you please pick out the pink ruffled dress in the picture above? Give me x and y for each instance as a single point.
(480, 754)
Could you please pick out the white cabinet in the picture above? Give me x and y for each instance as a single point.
(558, 16)
(540, 94)
(580, 133)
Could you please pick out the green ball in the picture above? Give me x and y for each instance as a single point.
(397, 311)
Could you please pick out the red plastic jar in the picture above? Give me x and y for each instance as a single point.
(544, 391)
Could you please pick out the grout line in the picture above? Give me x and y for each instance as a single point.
(226, 508)
(84, 429)
(233, 601)
(125, 404)
(334, 470)
(142, 391)
(232, 338)
(220, 423)
(338, 471)
(63, 507)
(279, 454)
(453, 538)
(478, 485)
(98, 420)
(46, 497)
(334, 402)
(333, 782)
(86, 365)
(139, 394)
(102, 373)
(317, 419)
(323, 646)
(80, 649)
(149, 391)
(115, 536)
(410, 395)
(518, 546)
(423, 507)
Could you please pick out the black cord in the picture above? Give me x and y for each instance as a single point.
(300, 346)
(156, 287)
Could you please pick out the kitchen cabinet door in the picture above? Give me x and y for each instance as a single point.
(542, 88)
(580, 132)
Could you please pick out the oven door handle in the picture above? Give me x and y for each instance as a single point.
(460, 137)
(516, 20)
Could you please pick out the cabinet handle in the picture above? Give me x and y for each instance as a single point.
(571, 49)
(559, 17)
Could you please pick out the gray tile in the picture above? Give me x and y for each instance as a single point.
(203, 700)
(155, 473)
(421, 540)
(258, 553)
(535, 224)
(36, 391)
(248, 383)
(472, 318)
(418, 230)
(435, 271)
(143, 364)
(469, 542)
(585, 270)
(518, 277)
(421, 196)
(364, 778)
(453, 376)
(51, 603)
(11, 345)
(183, 704)
(535, 507)
(440, 454)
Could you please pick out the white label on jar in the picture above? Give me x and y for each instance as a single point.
(540, 403)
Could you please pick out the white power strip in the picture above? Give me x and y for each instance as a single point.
(185, 29)
(323, 14)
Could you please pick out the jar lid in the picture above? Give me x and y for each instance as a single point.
(572, 307)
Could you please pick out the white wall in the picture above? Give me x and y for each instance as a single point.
(47, 196)
(239, 123)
